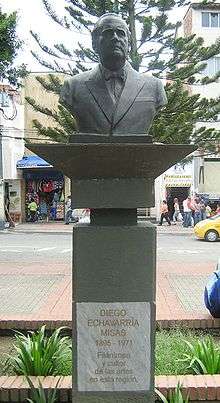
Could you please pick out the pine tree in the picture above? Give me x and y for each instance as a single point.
(9, 46)
(155, 48)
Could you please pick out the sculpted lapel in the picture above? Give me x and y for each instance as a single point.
(96, 86)
(133, 85)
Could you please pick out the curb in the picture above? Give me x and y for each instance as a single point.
(6, 325)
(199, 387)
(39, 232)
(160, 231)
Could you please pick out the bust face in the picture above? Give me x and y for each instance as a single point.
(112, 42)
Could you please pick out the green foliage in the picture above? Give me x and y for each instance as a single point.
(38, 354)
(173, 397)
(39, 395)
(169, 348)
(203, 356)
(9, 46)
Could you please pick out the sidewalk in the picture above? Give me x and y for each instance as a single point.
(59, 227)
(32, 296)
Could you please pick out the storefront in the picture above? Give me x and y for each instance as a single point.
(45, 186)
(177, 185)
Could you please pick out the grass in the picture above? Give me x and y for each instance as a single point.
(170, 347)
(6, 347)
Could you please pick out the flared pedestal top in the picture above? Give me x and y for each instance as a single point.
(112, 160)
(112, 175)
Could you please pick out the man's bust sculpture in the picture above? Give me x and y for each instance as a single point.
(113, 98)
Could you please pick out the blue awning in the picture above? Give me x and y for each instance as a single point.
(33, 161)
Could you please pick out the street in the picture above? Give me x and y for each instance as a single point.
(35, 247)
(29, 248)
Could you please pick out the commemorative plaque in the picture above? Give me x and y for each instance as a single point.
(113, 346)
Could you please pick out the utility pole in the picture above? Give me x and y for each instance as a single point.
(2, 199)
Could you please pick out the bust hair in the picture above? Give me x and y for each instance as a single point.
(98, 25)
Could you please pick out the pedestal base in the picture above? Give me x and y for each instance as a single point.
(114, 313)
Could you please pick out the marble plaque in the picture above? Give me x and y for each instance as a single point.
(113, 346)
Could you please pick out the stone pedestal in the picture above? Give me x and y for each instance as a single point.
(114, 308)
(114, 265)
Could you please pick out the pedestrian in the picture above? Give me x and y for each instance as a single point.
(68, 210)
(208, 211)
(164, 213)
(176, 206)
(217, 211)
(43, 213)
(187, 210)
(197, 210)
(202, 209)
(32, 209)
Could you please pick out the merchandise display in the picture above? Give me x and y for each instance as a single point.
(48, 193)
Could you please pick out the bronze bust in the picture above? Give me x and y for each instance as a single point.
(113, 98)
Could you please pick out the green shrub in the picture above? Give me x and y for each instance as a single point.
(38, 354)
(39, 395)
(203, 356)
(173, 397)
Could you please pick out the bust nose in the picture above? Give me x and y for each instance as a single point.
(114, 35)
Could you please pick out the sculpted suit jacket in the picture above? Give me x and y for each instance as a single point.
(87, 98)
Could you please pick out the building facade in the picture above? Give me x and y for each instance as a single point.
(42, 183)
(203, 20)
(11, 149)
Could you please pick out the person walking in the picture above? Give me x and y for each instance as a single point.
(68, 211)
(197, 210)
(176, 207)
(187, 210)
(202, 209)
(217, 211)
(32, 209)
(208, 211)
(164, 213)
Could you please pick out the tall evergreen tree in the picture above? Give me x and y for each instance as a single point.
(155, 48)
(9, 46)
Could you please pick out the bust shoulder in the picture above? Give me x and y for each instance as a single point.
(80, 77)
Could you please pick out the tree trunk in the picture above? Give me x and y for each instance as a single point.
(133, 39)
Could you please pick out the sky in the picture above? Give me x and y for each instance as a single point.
(32, 16)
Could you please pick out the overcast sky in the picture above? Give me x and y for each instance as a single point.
(32, 16)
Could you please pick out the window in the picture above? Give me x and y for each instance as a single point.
(214, 20)
(4, 99)
(210, 20)
(213, 66)
(205, 19)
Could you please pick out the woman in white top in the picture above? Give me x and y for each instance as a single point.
(176, 210)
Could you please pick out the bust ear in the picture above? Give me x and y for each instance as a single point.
(94, 42)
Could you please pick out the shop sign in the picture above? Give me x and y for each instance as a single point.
(178, 180)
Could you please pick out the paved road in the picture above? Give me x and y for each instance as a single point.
(41, 247)
(183, 247)
(57, 248)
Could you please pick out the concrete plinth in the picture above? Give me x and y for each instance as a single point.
(114, 312)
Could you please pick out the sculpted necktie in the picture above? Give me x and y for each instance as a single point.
(115, 83)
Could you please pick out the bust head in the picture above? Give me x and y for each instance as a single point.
(110, 38)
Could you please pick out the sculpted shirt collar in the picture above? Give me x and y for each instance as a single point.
(108, 74)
